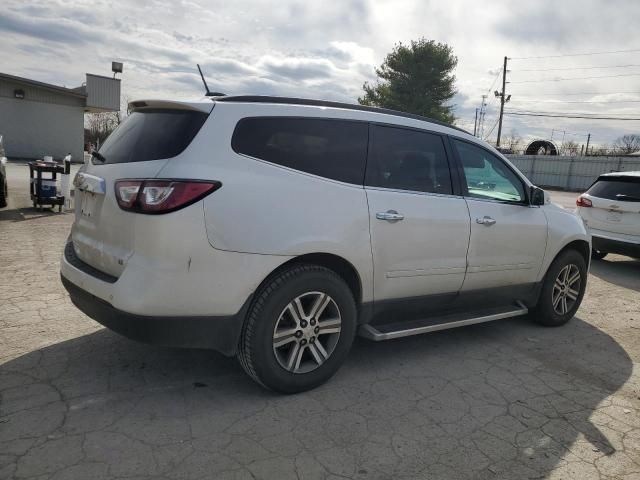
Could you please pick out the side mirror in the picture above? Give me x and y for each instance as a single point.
(536, 196)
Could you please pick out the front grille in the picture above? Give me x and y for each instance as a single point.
(73, 259)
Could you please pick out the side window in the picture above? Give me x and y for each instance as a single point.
(335, 149)
(487, 176)
(407, 160)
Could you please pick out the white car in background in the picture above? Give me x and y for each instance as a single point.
(610, 209)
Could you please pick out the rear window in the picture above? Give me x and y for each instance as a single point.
(620, 188)
(152, 134)
(335, 149)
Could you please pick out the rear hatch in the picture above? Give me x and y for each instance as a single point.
(615, 203)
(154, 133)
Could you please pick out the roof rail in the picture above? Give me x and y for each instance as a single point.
(325, 103)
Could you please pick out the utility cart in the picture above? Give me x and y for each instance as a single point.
(44, 189)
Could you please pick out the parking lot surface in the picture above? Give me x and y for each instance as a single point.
(504, 400)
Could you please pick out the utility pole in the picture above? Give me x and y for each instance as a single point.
(586, 150)
(503, 100)
(475, 124)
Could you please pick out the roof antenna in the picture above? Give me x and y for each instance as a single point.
(206, 87)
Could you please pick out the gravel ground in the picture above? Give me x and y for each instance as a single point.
(507, 400)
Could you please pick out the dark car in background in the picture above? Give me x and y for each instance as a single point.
(3, 176)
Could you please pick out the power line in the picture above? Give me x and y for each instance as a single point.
(492, 129)
(577, 54)
(494, 81)
(482, 110)
(577, 78)
(577, 68)
(580, 93)
(567, 113)
(578, 101)
(568, 116)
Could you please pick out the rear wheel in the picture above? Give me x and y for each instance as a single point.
(598, 254)
(562, 290)
(299, 329)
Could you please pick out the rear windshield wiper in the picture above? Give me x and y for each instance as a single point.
(98, 156)
(627, 198)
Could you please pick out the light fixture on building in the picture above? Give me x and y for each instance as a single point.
(116, 67)
(18, 93)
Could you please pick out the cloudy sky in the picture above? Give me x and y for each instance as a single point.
(327, 49)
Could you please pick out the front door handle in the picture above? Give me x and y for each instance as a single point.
(486, 221)
(389, 216)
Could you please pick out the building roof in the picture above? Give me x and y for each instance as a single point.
(74, 92)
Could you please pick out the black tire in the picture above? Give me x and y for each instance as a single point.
(256, 351)
(544, 313)
(3, 194)
(598, 254)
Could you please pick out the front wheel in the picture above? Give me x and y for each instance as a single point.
(299, 329)
(562, 290)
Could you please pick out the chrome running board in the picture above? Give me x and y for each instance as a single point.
(390, 331)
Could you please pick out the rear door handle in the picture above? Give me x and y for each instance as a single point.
(486, 221)
(389, 216)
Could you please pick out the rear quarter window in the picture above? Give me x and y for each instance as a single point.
(617, 188)
(329, 148)
(152, 134)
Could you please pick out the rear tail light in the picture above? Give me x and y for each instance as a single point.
(583, 202)
(161, 196)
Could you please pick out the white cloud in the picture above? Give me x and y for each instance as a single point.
(329, 49)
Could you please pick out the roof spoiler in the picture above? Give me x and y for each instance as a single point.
(143, 104)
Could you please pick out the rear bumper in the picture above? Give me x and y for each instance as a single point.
(612, 245)
(219, 333)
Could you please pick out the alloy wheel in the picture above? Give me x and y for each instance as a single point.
(307, 332)
(566, 289)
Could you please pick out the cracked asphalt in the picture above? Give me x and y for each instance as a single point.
(504, 400)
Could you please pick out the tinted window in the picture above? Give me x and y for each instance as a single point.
(152, 134)
(407, 160)
(623, 189)
(333, 149)
(488, 176)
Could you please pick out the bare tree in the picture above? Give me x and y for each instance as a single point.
(602, 150)
(627, 144)
(100, 125)
(569, 147)
(512, 141)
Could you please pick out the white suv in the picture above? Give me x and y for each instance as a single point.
(611, 210)
(275, 229)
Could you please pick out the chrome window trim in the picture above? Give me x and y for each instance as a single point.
(412, 192)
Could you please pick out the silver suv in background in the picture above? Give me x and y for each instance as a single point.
(276, 229)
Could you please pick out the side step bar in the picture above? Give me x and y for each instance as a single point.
(390, 331)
